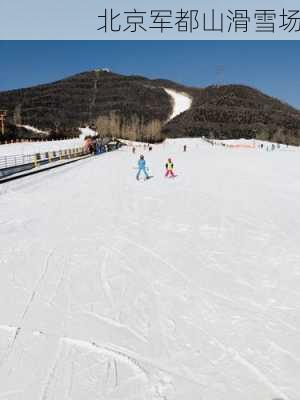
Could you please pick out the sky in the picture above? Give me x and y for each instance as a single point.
(271, 66)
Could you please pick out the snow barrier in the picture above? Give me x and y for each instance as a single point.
(18, 166)
(10, 165)
(230, 145)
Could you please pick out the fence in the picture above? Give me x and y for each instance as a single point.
(230, 145)
(10, 165)
(33, 140)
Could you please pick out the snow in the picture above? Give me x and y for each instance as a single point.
(167, 289)
(33, 129)
(133, 143)
(38, 147)
(87, 132)
(181, 102)
(256, 144)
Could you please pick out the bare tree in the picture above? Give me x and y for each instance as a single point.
(133, 128)
(17, 118)
(108, 125)
(152, 131)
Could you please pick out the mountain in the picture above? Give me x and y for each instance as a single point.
(68, 104)
(229, 111)
(235, 111)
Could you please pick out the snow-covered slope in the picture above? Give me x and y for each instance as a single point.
(181, 102)
(33, 129)
(166, 289)
(39, 147)
(87, 132)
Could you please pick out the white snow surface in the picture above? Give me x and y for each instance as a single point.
(181, 102)
(167, 289)
(33, 129)
(87, 131)
(39, 147)
(257, 143)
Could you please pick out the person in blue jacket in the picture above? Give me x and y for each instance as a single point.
(142, 168)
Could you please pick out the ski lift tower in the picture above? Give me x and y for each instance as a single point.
(3, 114)
(220, 72)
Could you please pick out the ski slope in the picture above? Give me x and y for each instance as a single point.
(181, 102)
(86, 132)
(167, 289)
(39, 147)
(33, 129)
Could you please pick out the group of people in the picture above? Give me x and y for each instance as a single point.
(143, 169)
(93, 145)
(145, 147)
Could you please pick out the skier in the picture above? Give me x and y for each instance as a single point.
(184, 148)
(142, 168)
(98, 148)
(133, 150)
(169, 168)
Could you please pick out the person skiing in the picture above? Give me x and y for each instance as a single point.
(169, 168)
(142, 168)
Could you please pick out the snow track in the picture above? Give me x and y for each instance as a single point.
(181, 102)
(183, 288)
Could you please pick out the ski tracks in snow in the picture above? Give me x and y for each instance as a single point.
(17, 330)
(157, 378)
(143, 304)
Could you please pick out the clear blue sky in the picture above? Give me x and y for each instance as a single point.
(271, 66)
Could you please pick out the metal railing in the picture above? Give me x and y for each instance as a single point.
(13, 161)
(13, 164)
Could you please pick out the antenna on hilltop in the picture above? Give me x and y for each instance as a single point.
(3, 114)
(220, 74)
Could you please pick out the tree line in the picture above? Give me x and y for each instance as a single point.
(133, 128)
